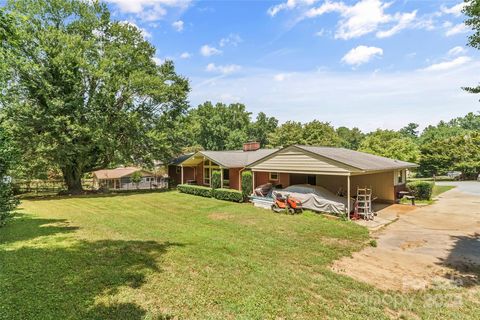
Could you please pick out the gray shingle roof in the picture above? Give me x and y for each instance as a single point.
(237, 158)
(361, 160)
(180, 159)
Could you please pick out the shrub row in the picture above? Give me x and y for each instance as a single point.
(228, 195)
(221, 194)
(195, 190)
(422, 190)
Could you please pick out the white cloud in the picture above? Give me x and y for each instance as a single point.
(455, 10)
(143, 31)
(290, 4)
(320, 33)
(361, 55)
(280, 76)
(185, 55)
(178, 25)
(447, 65)
(359, 18)
(208, 51)
(404, 21)
(456, 51)
(350, 98)
(149, 10)
(326, 7)
(362, 18)
(232, 39)
(158, 61)
(226, 69)
(456, 29)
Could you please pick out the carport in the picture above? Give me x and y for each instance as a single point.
(333, 168)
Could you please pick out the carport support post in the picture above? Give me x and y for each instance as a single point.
(348, 198)
(181, 174)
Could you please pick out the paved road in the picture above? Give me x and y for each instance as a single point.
(471, 187)
(426, 245)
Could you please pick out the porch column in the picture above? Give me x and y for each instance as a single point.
(348, 198)
(253, 180)
(181, 174)
(210, 172)
(221, 177)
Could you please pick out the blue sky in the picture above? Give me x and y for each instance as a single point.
(369, 63)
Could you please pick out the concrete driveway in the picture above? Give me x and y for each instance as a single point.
(426, 245)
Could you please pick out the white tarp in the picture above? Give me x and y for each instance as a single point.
(317, 198)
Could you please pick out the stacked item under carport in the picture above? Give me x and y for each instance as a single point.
(363, 205)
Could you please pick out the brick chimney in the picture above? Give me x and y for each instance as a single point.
(251, 146)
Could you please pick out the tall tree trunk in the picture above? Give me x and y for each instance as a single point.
(73, 179)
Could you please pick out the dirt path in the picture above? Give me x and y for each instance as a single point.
(424, 246)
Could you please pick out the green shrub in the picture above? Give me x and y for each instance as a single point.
(422, 190)
(228, 195)
(216, 179)
(247, 184)
(195, 190)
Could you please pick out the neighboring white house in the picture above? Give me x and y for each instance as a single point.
(121, 179)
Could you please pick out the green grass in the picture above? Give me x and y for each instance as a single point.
(176, 256)
(437, 190)
(437, 178)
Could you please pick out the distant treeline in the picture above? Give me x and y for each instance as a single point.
(452, 145)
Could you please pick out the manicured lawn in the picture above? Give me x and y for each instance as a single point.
(437, 190)
(171, 255)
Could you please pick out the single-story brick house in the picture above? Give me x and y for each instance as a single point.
(330, 167)
(197, 168)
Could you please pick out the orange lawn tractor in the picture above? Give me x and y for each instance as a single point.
(286, 204)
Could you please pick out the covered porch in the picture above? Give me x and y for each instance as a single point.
(198, 170)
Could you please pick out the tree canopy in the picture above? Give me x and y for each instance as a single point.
(410, 131)
(351, 138)
(81, 91)
(311, 133)
(451, 145)
(472, 11)
(391, 144)
(7, 157)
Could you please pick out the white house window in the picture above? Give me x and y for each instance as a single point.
(400, 176)
(206, 175)
(208, 166)
(273, 176)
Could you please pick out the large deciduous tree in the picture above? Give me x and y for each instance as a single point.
(82, 91)
(219, 126)
(262, 127)
(351, 138)
(453, 145)
(7, 156)
(472, 11)
(313, 133)
(316, 133)
(410, 131)
(391, 144)
(290, 132)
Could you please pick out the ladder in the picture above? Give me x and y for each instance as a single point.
(364, 203)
